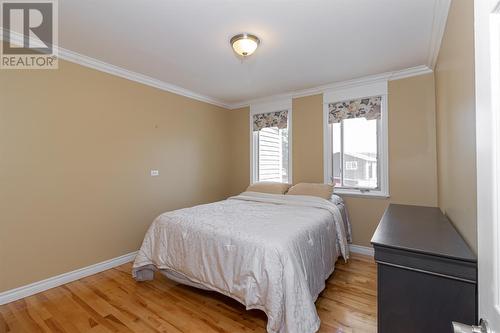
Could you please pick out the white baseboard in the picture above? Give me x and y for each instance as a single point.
(37, 287)
(55, 281)
(367, 251)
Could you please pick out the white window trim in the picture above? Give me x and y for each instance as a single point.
(378, 88)
(271, 106)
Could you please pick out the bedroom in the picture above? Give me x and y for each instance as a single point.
(144, 113)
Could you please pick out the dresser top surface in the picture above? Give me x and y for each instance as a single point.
(421, 229)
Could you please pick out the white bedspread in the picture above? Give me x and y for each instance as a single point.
(270, 252)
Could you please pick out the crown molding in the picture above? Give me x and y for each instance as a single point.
(102, 66)
(137, 77)
(387, 76)
(441, 9)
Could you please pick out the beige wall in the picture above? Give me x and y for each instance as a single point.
(307, 136)
(412, 151)
(456, 121)
(76, 148)
(239, 136)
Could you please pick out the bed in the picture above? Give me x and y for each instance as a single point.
(268, 251)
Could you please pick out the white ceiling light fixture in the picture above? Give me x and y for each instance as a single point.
(244, 44)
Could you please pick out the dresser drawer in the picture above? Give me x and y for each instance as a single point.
(436, 265)
(416, 302)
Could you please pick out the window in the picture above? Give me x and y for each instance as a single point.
(270, 143)
(355, 143)
(356, 140)
(351, 165)
(272, 154)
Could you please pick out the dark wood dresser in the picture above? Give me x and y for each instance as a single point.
(427, 275)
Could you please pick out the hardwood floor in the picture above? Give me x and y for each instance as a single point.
(112, 301)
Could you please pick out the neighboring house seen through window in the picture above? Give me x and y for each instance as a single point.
(271, 144)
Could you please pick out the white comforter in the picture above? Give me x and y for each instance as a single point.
(270, 252)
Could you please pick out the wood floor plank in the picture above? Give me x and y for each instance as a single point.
(66, 314)
(206, 305)
(20, 311)
(209, 314)
(130, 304)
(11, 323)
(112, 301)
(174, 310)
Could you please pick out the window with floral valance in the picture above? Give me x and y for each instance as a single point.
(356, 139)
(270, 124)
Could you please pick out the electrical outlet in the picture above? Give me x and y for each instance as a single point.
(155, 173)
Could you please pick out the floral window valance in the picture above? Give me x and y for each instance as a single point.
(369, 108)
(272, 119)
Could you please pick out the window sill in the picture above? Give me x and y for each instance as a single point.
(359, 194)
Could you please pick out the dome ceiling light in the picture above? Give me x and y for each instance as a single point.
(244, 44)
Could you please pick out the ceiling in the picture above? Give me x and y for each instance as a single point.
(304, 43)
